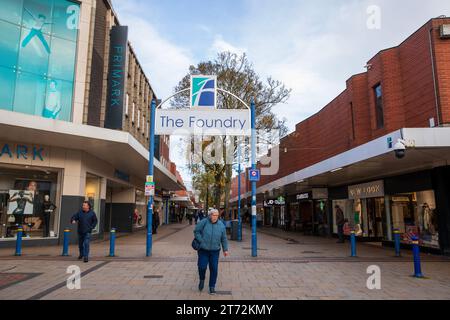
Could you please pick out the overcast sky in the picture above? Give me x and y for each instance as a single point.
(311, 46)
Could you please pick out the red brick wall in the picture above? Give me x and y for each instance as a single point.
(405, 73)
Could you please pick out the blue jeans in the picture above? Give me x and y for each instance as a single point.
(83, 244)
(206, 257)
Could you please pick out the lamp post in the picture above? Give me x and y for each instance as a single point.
(253, 138)
(151, 150)
(239, 235)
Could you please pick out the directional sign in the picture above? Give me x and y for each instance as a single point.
(149, 189)
(254, 175)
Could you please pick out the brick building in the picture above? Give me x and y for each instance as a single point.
(343, 155)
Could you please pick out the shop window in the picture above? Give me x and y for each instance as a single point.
(415, 214)
(379, 112)
(93, 189)
(140, 212)
(29, 199)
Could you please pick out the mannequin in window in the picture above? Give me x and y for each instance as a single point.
(427, 217)
(47, 208)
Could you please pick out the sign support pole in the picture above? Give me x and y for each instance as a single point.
(253, 138)
(239, 235)
(150, 173)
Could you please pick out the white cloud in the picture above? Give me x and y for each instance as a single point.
(220, 45)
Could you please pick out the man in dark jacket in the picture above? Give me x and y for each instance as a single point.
(212, 236)
(87, 221)
(340, 221)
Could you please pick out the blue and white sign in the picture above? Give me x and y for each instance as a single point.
(217, 122)
(203, 92)
(254, 175)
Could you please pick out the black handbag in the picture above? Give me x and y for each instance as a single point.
(195, 244)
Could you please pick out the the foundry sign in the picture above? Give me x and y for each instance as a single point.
(367, 190)
(304, 196)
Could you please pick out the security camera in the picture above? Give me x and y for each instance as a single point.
(400, 149)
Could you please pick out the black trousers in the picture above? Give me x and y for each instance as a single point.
(46, 226)
(341, 232)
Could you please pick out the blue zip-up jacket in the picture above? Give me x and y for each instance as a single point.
(211, 236)
(87, 221)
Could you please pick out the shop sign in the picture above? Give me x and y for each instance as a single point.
(122, 175)
(303, 196)
(367, 190)
(320, 193)
(116, 77)
(275, 202)
(21, 151)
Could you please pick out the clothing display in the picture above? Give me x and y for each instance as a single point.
(47, 208)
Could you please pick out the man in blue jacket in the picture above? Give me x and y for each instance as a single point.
(87, 221)
(212, 236)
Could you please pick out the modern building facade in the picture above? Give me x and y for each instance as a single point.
(74, 121)
(344, 155)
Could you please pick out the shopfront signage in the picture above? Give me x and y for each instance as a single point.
(367, 190)
(320, 193)
(116, 77)
(203, 122)
(21, 151)
(275, 202)
(303, 196)
(122, 175)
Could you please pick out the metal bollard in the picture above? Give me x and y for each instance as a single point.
(353, 243)
(65, 252)
(416, 254)
(19, 242)
(112, 242)
(397, 242)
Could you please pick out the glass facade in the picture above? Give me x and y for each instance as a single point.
(415, 214)
(38, 52)
(29, 199)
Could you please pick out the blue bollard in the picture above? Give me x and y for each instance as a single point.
(112, 242)
(416, 254)
(353, 243)
(397, 242)
(19, 242)
(65, 252)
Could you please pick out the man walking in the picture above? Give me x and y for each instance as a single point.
(212, 236)
(340, 221)
(87, 221)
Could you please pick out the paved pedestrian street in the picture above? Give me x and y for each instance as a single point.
(288, 266)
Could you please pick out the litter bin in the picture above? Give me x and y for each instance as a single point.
(234, 229)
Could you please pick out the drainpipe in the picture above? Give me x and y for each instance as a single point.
(430, 38)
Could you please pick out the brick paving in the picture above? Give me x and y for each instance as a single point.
(304, 267)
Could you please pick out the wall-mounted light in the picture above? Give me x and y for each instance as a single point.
(337, 169)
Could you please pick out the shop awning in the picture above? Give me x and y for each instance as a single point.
(118, 148)
(375, 159)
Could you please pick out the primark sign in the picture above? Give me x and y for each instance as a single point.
(202, 117)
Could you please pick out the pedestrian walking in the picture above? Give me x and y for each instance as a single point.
(87, 221)
(340, 221)
(155, 221)
(196, 217)
(212, 237)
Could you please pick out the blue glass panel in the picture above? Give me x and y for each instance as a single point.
(30, 93)
(9, 44)
(11, 10)
(209, 85)
(7, 81)
(58, 100)
(37, 14)
(33, 52)
(65, 19)
(62, 59)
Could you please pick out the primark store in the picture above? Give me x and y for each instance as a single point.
(73, 125)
